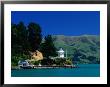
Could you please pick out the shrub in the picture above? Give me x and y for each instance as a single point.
(68, 62)
(47, 61)
(36, 62)
(17, 57)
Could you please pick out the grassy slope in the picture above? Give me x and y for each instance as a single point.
(89, 45)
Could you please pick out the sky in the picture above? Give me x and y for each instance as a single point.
(69, 23)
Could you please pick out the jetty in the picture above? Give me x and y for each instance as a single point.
(46, 67)
(55, 66)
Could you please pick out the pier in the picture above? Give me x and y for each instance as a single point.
(56, 66)
(46, 67)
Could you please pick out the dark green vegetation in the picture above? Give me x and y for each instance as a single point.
(47, 47)
(29, 38)
(55, 61)
(82, 49)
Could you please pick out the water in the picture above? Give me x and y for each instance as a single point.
(84, 70)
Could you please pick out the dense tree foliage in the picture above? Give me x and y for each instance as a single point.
(19, 40)
(23, 40)
(29, 38)
(34, 36)
(48, 48)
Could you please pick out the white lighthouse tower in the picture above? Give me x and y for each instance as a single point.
(61, 53)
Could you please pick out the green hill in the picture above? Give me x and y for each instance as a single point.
(83, 49)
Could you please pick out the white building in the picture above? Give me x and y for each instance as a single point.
(24, 64)
(61, 53)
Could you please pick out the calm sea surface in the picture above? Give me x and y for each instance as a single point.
(84, 70)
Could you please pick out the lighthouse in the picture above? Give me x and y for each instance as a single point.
(61, 53)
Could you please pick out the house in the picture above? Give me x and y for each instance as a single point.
(24, 64)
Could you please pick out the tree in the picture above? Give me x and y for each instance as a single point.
(47, 62)
(78, 56)
(13, 37)
(18, 38)
(92, 59)
(13, 44)
(48, 48)
(19, 42)
(22, 37)
(34, 36)
(24, 40)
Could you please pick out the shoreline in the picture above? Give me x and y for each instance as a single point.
(45, 67)
(70, 66)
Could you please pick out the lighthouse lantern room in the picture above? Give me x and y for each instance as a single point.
(61, 53)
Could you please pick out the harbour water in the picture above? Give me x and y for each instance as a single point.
(83, 70)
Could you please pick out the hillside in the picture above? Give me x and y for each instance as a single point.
(83, 49)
